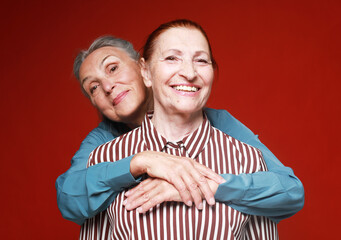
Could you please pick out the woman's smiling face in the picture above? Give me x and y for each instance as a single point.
(114, 84)
(180, 71)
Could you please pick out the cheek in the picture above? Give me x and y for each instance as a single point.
(99, 102)
(164, 72)
(93, 102)
(141, 89)
(208, 76)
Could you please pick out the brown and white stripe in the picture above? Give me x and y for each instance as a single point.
(97, 227)
(173, 220)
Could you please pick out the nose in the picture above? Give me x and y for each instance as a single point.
(108, 85)
(188, 70)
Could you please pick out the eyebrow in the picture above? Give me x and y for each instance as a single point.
(105, 58)
(172, 50)
(84, 79)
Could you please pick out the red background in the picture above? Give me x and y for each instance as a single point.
(279, 74)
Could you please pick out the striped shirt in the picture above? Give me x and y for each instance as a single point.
(174, 220)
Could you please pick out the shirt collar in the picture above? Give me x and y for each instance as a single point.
(194, 143)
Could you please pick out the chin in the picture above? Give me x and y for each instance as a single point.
(189, 110)
(118, 116)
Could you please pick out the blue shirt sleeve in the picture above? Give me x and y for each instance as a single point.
(83, 192)
(277, 193)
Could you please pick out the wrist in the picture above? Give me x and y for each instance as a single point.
(213, 185)
(137, 167)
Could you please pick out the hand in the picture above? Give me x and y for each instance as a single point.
(154, 191)
(150, 193)
(185, 174)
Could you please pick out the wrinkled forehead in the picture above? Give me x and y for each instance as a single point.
(102, 53)
(181, 38)
(99, 57)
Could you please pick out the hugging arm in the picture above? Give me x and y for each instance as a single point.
(83, 192)
(277, 193)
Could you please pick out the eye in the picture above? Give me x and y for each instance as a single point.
(93, 88)
(112, 68)
(202, 61)
(171, 58)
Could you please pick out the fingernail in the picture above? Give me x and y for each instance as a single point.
(189, 203)
(212, 201)
(200, 206)
(127, 193)
(124, 202)
(139, 210)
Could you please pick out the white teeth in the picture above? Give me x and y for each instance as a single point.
(186, 88)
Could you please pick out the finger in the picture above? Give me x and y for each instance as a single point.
(182, 189)
(206, 190)
(194, 190)
(139, 187)
(157, 191)
(141, 192)
(203, 189)
(202, 185)
(157, 199)
(208, 173)
(164, 192)
(192, 179)
(138, 201)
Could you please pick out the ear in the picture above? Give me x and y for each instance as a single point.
(145, 73)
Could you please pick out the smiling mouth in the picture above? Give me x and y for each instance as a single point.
(119, 98)
(183, 88)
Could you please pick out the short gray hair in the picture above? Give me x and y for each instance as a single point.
(105, 41)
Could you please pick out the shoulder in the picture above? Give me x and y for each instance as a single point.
(221, 119)
(217, 113)
(108, 131)
(219, 135)
(251, 156)
(102, 130)
(241, 154)
(115, 149)
(227, 123)
(131, 135)
(96, 137)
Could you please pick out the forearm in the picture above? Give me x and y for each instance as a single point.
(84, 193)
(261, 193)
(72, 194)
(277, 193)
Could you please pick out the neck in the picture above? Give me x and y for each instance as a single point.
(175, 127)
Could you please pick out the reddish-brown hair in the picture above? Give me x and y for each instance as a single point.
(185, 23)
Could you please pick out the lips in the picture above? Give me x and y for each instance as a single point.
(119, 97)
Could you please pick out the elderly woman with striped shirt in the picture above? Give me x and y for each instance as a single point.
(178, 65)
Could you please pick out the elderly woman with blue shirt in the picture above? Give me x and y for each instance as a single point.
(110, 77)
